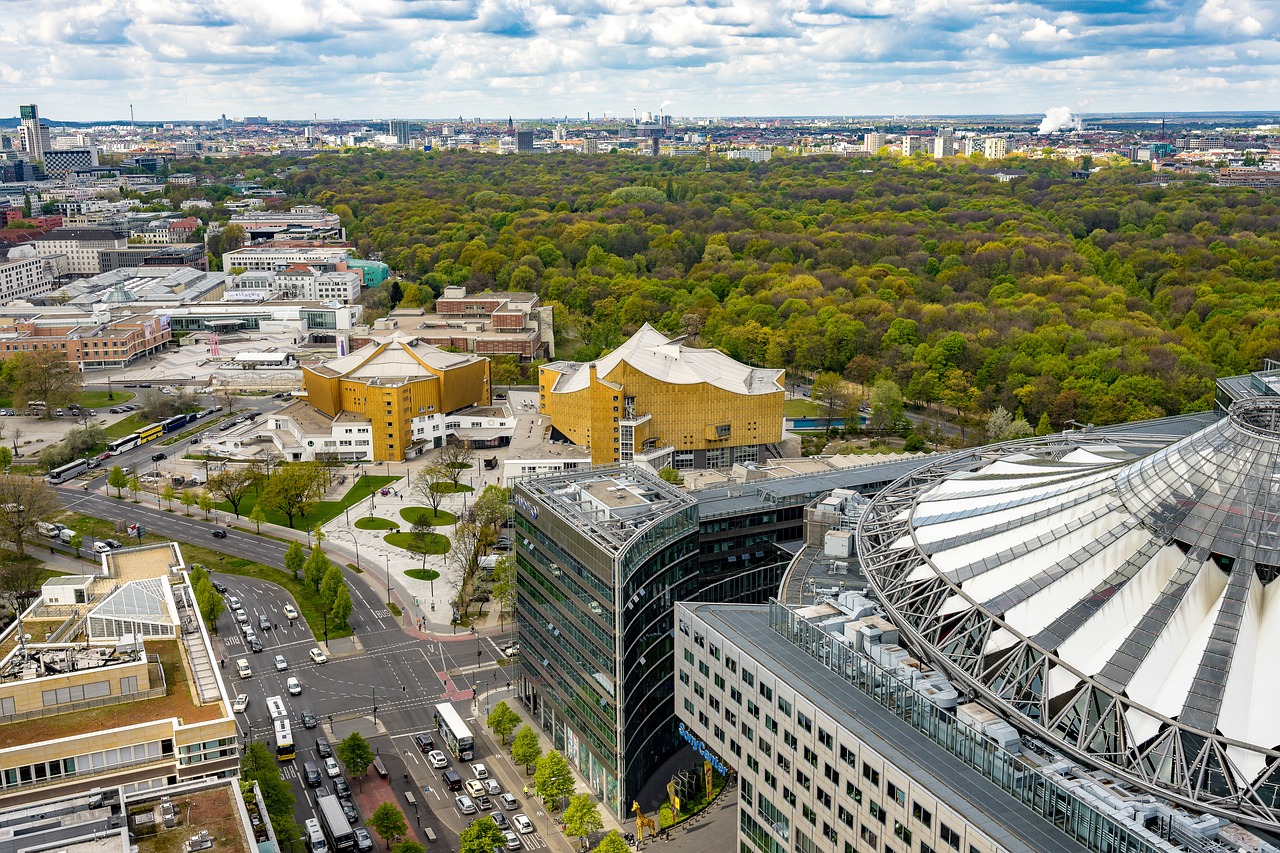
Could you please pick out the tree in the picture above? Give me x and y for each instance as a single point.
(257, 516)
(482, 836)
(43, 374)
(503, 720)
(188, 500)
(168, 494)
(293, 490)
(329, 585)
(6, 457)
(425, 484)
(455, 457)
(317, 533)
(582, 817)
(830, 390)
(388, 822)
(315, 568)
(886, 405)
(612, 843)
(462, 557)
(118, 480)
(210, 603)
(525, 749)
(422, 531)
(295, 558)
(205, 502)
(1043, 427)
(135, 486)
(341, 610)
(355, 754)
(257, 764)
(232, 485)
(23, 502)
(553, 778)
(670, 475)
(408, 846)
(77, 542)
(504, 584)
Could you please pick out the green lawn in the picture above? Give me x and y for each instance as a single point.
(323, 511)
(125, 426)
(802, 409)
(98, 399)
(423, 574)
(372, 522)
(447, 488)
(440, 518)
(432, 543)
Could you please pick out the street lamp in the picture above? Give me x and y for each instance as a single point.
(388, 556)
(354, 541)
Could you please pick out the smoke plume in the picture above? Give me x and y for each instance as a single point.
(1058, 118)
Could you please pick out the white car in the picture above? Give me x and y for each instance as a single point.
(479, 771)
(233, 602)
(523, 824)
(332, 768)
(281, 663)
(437, 759)
(317, 656)
(241, 617)
(241, 703)
(101, 547)
(465, 805)
(290, 612)
(293, 685)
(242, 668)
(474, 787)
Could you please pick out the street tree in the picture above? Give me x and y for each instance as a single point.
(886, 405)
(388, 821)
(582, 817)
(408, 846)
(118, 480)
(168, 494)
(553, 778)
(24, 501)
(210, 603)
(612, 843)
(295, 558)
(232, 485)
(482, 836)
(341, 610)
(43, 374)
(526, 749)
(422, 531)
(205, 502)
(355, 754)
(503, 721)
(315, 568)
(456, 457)
(462, 557)
(77, 542)
(6, 457)
(135, 487)
(257, 764)
(329, 585)
(492, 506)
(504, 585)
(426, 482)
(293, 490)
(188, 500)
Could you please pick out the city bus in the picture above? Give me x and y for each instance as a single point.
(285, 749)
(150, 433)
(454, 732)
(120, 445)
(68, 472)
(275, 705)
(335, 825)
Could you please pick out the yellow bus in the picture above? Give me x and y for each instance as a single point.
(150, 433)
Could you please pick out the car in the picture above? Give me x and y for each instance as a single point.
(166, 391)
(424, 742)
(500, 820)
(156, 457)
(332, 767)
(522, 823)
(364, 841)
(465, 805)
(93, 413)
(233, 602)
(218, 586)
(144, 384)
(101, 547)
(228, 425)
(484, 802)
(451, 780)
(254, 643)
(513, 840)
(242, 668)
(113, 543)
(348, 809)
(508, 802)
(241, 703)
(474, 787)
(437, 759)
(281, 663)
(114, 410)
(511, 651)
(293, 685)
(317, 656)
(264, 623)
(309, 720)
(322, 747)
(341, 788)
(479, 771)
(492, 787)
(241, 617)
(312, 774)
(219, 534)
(247, 630)
(290, 612)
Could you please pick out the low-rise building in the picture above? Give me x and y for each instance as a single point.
(23, 275)
(95, 341)
(163, 255)
(276, 258)
(503, 323)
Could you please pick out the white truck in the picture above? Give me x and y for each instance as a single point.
(47, 529)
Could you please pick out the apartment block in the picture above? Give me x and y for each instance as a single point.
(89, 343)
(82, 246)
(23, 278)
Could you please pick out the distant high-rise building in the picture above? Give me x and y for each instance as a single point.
(590, 145)
(559, 134)
(64, 161)
(400, 130)
(912, 145)
(524, 141)
(873, 142)
(944, 146)
(255, 119)
(995, 147)
(946, 131)
(35, 136)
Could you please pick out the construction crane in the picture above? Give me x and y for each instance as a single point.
(642, 822)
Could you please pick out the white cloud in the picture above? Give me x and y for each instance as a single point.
(995, 40)
(1229, 16)
(1043, 32)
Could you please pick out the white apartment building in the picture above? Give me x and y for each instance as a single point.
(265, 259)
(995, 147)
(912, 144)
(873, 142)
(313, 285)
(81, 246)
(23, 277)
(943, 146)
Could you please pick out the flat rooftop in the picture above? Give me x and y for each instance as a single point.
(142, 561)
(993, 812)
(611, 505)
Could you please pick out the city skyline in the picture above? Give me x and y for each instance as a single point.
(295, 59)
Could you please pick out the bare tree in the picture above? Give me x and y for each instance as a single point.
(455, 457)
(23, 502)
(425, 484)
(462, 556)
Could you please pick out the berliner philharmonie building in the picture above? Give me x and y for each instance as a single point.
(1063, 643)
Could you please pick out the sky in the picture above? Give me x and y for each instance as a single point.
(178, 60)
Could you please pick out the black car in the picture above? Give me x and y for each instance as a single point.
(501, 820)
(341, 788)
(323, 749)
(256, 645)
(312, 774)
(219, 534)
(156, 457)
(220, 587)
(309, 720)
(424, 742)
(349, 810)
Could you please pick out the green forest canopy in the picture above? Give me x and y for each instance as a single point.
(1099, 300)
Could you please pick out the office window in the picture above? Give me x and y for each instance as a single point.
(804, 721)
(949, 836)
(766, 691)
(826, 739)
(902, 833)
(870, 774)
(895, 793)
(921, 814)
(877, 811)
(784, 706)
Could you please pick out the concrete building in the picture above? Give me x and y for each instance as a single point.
(944, 146)
(82, 246)
(754, 155)
(64, 161)
(912, 144)
(502, 323)
(995, 147)
(873, 142)
(400, 389)
(143, 288)
(164, 255)
(310, 284)
(34, 134)
(400, 131)
(653, 395)
(306, 218)
(23, 275)
(273, 259)
(95, 342)
(524, 141)
(122, 690)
